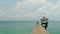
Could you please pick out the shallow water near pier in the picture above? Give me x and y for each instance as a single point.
(25, 27)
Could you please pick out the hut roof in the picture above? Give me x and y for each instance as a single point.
(44, 18)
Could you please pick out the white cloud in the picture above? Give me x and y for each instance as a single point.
(2, 13)
(36, 1)
(34, 10)
(30, 2)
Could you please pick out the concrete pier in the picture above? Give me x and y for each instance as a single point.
(39, 30)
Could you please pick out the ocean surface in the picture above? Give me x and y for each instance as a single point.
(26, 27)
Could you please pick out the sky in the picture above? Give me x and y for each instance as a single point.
(29, 10)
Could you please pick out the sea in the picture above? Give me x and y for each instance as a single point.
(26, 27)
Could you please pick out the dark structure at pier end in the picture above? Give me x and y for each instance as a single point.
(44, 22)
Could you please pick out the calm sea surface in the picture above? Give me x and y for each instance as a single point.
(25, 27)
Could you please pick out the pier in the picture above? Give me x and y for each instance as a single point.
(41, 28)
(38, 29)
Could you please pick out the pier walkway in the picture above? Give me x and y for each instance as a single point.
(39, 30)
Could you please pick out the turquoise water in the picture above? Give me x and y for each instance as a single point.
(25, 27)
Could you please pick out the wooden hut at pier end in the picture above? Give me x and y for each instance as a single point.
(44, 22)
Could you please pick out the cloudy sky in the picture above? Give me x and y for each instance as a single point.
(28, 10)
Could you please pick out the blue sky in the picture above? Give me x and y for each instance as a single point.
(27, 10)
(11, 3)
(8, 3)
